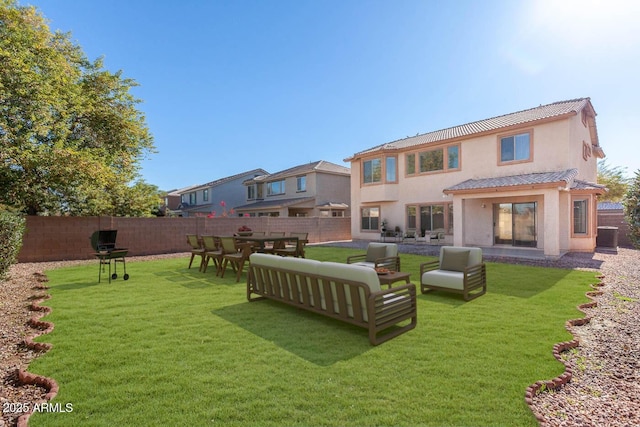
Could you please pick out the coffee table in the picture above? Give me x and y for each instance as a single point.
(394, 276)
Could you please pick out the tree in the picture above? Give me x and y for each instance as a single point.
(70, 132)
(614, 180)
(632, 210)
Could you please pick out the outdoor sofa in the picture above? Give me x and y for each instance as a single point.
(458, 269)
(345, 292)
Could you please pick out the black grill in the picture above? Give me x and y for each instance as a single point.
(104, 243)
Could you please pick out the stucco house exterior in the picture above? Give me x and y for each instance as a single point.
(214, 198)
(525, 180)
(315, 189)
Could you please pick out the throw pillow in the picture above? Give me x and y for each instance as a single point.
(375, 252)
(454, 259)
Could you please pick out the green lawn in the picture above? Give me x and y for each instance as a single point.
(176, 347)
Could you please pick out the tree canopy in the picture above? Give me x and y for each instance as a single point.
(71, 136)
(613, 178)
(632, 209)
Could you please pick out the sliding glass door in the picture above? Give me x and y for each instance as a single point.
(515, 224)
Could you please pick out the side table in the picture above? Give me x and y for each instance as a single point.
(392, 277)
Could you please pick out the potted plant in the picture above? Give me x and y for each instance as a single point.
(244, 231)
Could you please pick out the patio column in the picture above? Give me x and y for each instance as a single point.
(458, 221)
(552, 215)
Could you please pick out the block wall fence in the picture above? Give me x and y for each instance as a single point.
(68, 238)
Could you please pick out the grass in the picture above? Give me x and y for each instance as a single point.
(173, 346)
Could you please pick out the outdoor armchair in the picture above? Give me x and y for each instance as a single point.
(458, 269)
(378, 255)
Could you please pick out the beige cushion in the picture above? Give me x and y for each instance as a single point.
(454, 259)
(444, 279)
(375, 252)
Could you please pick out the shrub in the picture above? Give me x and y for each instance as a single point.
(12, 228)
(632, 210)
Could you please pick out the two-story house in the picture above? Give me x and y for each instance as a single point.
(214, 198)
(525, 179)
(314, 189)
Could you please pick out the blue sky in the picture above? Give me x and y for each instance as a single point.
(229, 86)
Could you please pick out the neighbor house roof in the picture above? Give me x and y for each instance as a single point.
(565, 178)
(319, 166)
(220, 181)
(610, 206)
(554, 111)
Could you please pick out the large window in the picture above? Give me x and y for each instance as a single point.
(274, 188)
(432, 217)
(371, 171)
(580, 216)
(431, 161)
(301, 183)
(370, 219)
(515, 148)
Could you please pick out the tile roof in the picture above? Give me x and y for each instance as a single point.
(610, 206)
(255, 172)
(319, 166)
(543, 112)
(541, 178)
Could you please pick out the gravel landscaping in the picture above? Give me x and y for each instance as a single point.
(604, 388)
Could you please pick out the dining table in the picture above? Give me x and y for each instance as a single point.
(261, 241)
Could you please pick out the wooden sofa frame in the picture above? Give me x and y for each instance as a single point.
(383, 316)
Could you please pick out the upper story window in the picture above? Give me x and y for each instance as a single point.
(410, 161)
(251, 192)
(205, 195)
(301, 183)
(276, 187)
(431, 161)
(438, 159)
(515, 148)
(371, 171)
(390, 166)
(377, 171)
(192, 198)
(453, 158)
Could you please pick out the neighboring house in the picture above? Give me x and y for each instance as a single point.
(314, 189)
(215, 198)
(525, 179)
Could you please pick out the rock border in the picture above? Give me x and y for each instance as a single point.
(25, 377)
(558, 382)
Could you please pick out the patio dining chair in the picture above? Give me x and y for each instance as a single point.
(196, 248)
(212, 251)
(296, 250)
(270, 249)
(235, 253)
